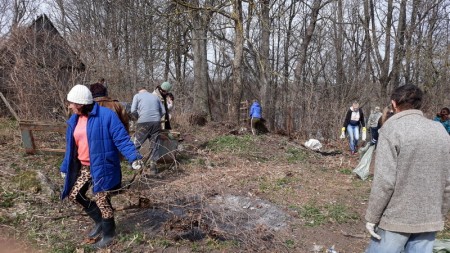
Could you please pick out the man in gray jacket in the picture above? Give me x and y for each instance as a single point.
(411, 187)
(149, 110)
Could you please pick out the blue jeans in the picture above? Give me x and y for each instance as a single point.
(393, 242)
(374, 135)
(353, 135)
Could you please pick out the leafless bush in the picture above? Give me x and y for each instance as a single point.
(38, 70)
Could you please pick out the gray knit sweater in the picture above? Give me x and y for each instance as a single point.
(148, 107)
(411, 186)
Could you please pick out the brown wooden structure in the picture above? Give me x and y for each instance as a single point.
(243, 113)
(37, 68)
(28, 127)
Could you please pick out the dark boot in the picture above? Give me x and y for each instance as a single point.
(94, 212)
(109, 231)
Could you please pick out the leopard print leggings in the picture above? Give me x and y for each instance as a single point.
(81, 186)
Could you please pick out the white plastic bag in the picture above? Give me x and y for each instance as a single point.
(363, 136)
(362, 170)
(313, 144)
(342, 135)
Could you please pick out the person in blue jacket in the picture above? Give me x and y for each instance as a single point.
(255, 115)
(94, 138)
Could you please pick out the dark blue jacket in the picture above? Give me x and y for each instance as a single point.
(255, 110)
(106, 137)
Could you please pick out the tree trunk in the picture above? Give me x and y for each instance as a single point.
(339, 39)
(237, 61)
(383, 63)
(399, 46)
(267, 91)
(199, 46)
(302, 61)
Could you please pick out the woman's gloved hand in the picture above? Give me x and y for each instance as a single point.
(343, 133)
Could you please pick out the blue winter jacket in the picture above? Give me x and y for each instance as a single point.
(255, 110)
(106, 137)
(446, 123)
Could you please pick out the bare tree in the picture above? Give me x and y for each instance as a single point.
(237, 61)
(299, 57)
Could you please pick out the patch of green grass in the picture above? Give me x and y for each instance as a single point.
(8, 124)
(312, 214)
(290, 244)
(284, 183)
(346, 171)
(7, 199)
(27, 181)
(17, 220)
(358, 183)
(201, 161)
(135, 238)
(8, 128)
(232, 143)
(340, 213)
(163, 243)
(316, 215)
(196, 247)
(67, 247)
(213, 244)
(264, 184)
(61, 241)
(15, 167)
(295, 155)
(184, 158)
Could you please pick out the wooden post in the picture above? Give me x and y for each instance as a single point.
(28, 141)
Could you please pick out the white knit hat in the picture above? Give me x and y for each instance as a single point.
(80, 94)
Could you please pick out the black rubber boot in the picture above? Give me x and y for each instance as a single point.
(109, 231)
(94, 212)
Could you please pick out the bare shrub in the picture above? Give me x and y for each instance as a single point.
(38, 69)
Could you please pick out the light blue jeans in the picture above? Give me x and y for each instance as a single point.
(393, 242)
(353, 135)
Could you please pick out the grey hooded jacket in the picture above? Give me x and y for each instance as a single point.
(411, 186)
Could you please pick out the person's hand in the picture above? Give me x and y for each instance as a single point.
(342, 133)
(371, 228)
(364, 134)
(63, 175)
(137, 165)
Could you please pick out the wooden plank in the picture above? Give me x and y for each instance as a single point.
(26, 129)
(41, 126)
(51, 151)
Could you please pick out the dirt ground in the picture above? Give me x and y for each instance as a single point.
(225, 193)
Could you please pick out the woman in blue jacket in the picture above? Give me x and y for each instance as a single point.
(94, 137)
(255, 115)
